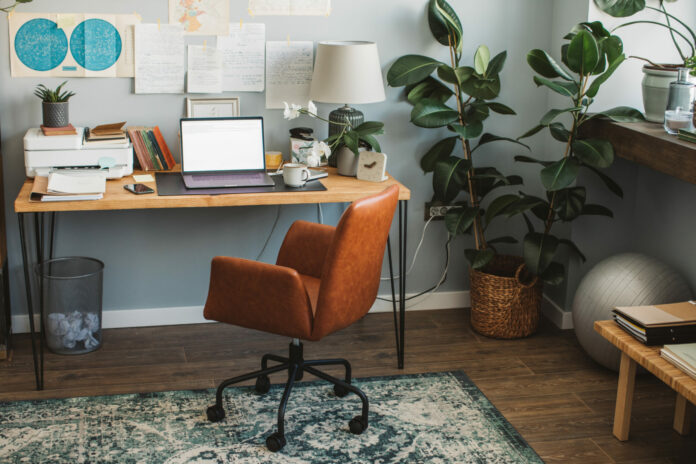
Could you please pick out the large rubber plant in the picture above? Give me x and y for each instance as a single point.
(589, 58)
(458, 97)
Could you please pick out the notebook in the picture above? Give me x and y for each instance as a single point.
(223, 152)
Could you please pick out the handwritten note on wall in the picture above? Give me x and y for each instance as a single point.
(204, 71)
(243, 57)
(159, 58)
(290, 7)
(289, 67)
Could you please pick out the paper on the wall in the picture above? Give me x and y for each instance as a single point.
(159, 58)
(201, 17)
(290, 7)
(243, 54)
(289, 67)
(204, 70)
(71, 44)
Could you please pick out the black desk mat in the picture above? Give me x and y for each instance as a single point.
(171, 183)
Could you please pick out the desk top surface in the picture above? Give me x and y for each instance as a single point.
(338, 189)
(648, 357)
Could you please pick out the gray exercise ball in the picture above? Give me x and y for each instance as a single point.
(628, 279)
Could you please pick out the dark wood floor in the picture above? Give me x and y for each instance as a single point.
(557, 398)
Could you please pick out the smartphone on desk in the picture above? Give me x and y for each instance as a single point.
(138, 189)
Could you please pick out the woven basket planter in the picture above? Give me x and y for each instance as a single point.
(505, 300)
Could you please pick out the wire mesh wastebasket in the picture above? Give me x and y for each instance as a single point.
(71, 298)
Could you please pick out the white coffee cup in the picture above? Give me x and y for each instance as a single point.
(295, 175)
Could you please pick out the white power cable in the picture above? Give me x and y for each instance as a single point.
(320, 214)
(415, 255)
(442, 279)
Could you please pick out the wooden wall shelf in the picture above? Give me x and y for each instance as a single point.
(647, 144)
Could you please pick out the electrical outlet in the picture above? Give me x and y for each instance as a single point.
(436, 211)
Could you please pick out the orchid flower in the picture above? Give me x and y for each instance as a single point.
(291, 111)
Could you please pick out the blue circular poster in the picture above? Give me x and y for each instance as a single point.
(40, 45)
(95, 44)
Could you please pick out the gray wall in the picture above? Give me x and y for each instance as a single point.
(161, 258)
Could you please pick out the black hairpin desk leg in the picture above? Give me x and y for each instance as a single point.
(37, 346)
(400, 319)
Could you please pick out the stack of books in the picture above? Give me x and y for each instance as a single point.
(106, 135)
(657, 325)
(687, 135)
(683, 356)
(65, 130)
(151, 150)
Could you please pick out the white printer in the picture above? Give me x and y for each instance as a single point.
(44, 154)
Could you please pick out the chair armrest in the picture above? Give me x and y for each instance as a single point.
(258, 296)
(305, 246)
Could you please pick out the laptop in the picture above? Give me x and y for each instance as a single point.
(223, 152)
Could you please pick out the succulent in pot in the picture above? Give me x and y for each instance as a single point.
(55, 105)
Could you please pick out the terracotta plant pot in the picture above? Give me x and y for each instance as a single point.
(505, 301)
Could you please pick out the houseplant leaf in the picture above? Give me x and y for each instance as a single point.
(583, 53)
(370, 127)
(560, 174)
(496, 64)
(597, 153)
(539, 250)
(573, 247)
(559, 132)
(482, 88)
(567, 89)
(531, 132)
(459, 220)
(608, 181)
(444, 22)
(620, 8)
(621, 114)
(372, 141)
(599, 80)
(479, 258)
(500, 108)
(553, 114)
(470, 131)
(481, 60)
(438, 152)
(488, 138)
(428, 88)
(529, 159)
(569, 202)
(433, 113)
(542, 63)
(498, 206)
(597, 210)
(554, 274)
(448, 177)
(411, 69)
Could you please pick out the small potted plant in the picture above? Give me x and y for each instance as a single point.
(55, 105)
(10, 8)
(347, 144)
(657, 76)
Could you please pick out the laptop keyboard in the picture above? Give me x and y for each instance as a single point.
(237, 178)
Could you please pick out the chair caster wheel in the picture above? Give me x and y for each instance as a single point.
(215, 413)
(275, 442)
(340, 391)
(357, 425)
(263, 384)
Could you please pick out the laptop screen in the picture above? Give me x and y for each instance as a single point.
(234, 144)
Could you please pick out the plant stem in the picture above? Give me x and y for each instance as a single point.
(479, 239)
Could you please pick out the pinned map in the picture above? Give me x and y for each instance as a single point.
(71, 44)
(201, 17)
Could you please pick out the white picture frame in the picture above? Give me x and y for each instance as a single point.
(212, 107)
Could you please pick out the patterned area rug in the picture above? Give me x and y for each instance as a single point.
(433, 418)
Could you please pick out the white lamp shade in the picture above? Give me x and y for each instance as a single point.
(347, 72)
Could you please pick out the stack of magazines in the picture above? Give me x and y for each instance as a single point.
(683, 356)
(660, 324)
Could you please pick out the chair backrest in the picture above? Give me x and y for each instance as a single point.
(353, 265)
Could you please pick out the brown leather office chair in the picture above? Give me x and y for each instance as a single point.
(325, 278)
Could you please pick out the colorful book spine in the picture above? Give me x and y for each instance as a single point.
(165, 148)
(150, 148)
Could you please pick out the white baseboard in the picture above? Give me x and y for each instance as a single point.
(562, 319)
(150, 317)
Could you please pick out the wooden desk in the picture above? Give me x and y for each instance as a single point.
(338, 189)
(633, 353)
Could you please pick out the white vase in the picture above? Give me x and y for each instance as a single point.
(656, 91)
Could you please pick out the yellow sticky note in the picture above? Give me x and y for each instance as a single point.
(144, 178)
(66, 21)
